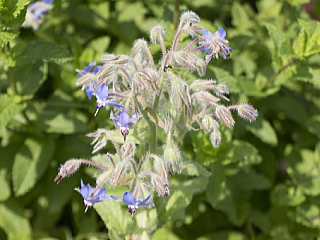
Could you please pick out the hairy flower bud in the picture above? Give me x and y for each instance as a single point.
(189, 16)
(172, 155)
(200, 84)
(128, 149)
(118, 172)
(215, 136)
(224, 115)
(206, 97)
(70, 167)
(155, 32)
(114, 59)
(159, 185)
(247, 112)
(161, 168)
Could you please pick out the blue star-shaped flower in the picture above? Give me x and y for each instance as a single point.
(101, 93)
(215, 44)
(132, 203)
(92, 196)
(91, 68)
(124, 122)
(35, 11)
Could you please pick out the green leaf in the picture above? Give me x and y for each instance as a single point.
(29, 77)
(30, 163)
(240, 17)
(7, 36)
(287, 196)
(225, 77)
(262, 129)
(13, 221)
(115, 217)
(308, 40)
(308, 215)
(239, 154)
(4, 185)
(223, 197)
(9, 107)
(249, 180)
(281, 41)
(307, 172)
(40, 50)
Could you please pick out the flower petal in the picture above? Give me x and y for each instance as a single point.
(128, 198)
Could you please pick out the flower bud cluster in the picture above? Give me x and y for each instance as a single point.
(159, 98)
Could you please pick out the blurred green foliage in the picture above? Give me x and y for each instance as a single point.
(263, 182)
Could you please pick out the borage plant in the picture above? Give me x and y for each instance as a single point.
(155, 99)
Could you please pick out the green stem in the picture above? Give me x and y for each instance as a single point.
(176, 14)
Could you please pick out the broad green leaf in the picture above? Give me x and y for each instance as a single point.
(9, 107)
(287, 196)
(62, 123)
(115, 217)
(40, 50)
(30, 163)
(239, 154)
(29, 77)
(240, 17)
(223, 76)
(223, 197)
(313, 125)
(164, 234)
(307, 172)
(249, 180)
(4, 185)
(7, 36)
(281, 41)
(262, 129)
(307, 42)
(13, 221)
(147, 219)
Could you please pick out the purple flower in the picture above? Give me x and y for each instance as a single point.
(35, 11)
(101, 93)
(92, 196)
(91, 68)
(215, 44)
(124, 122)
(133, 205)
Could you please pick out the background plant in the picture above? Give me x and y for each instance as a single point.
(260, 183)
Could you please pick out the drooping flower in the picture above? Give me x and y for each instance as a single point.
(67, 169)
(124, 122)
(215, 44)
(34, 13)
(133, 204)
(101, 93)
(91, 196)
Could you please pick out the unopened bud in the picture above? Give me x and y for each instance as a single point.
(200, 84)
(85, 79)
(128, 149)
(172, 155)
(154, 33)
(159, 185)
(161, 168)
(118, 172)
(224, 115)
(215, 137)
(206, 97)
(247, 112)
(67, 169)
(189, 16)
(114, 59)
